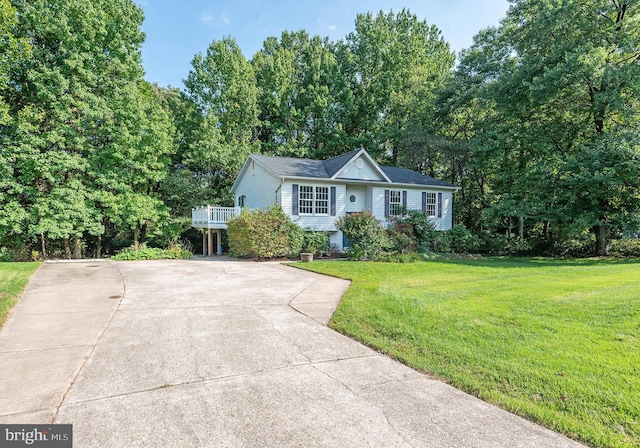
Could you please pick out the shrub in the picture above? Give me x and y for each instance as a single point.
(411, 232)
(457, 240)
(402, 237)
(626, 247)
(5, 255)
(18, 254)
(314, 242)
(176, 252)
(368, 239)
(578, 245)
(264, 234)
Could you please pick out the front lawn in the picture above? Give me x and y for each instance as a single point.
(13, 279)
(556, 341)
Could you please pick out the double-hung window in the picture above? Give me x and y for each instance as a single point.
(430, 204)
(314, 200)
(395, 202)
(306, 200)
(322, 201)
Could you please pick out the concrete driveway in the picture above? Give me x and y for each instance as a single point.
(212, 353)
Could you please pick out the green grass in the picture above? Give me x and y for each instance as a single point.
(13, 279)
(555, 341)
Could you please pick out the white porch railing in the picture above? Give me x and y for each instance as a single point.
(213, 215)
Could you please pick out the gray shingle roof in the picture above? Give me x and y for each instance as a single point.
(293, 167)
(407, 176)
(317, 169)
(334, 164)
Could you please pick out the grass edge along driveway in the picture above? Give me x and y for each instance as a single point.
(555, 341)
(13, 281)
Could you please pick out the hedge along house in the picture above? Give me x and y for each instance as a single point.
(315, 194)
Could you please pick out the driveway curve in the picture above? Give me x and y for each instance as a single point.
(221, 353)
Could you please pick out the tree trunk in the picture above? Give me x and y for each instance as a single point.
(99, 247)
(143, 231)
(547, 231)
(44, 246)
(136, 236)
(77, 247)
(603, 239)
(521, 228)
(67, 250)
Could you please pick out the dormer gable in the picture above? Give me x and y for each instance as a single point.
(358, 165)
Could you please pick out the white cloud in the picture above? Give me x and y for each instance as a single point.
(326, 25)
(223, 18)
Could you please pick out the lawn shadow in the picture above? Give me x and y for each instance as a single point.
(524, 262)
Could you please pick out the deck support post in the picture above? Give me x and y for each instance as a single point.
(219, 240)
(204, 242)
(209, 242)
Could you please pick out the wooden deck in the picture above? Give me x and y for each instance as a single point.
(212, 220)
(213, 217)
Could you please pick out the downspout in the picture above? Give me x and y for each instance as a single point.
(278, 189)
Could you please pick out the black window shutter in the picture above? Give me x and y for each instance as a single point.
(294, 204)
(386, 203)
(424, 202)
(333, 201)
(404, 198)
(439, 205)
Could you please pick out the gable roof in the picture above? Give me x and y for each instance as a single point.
(346, 161)
(292, 167)
(335, 164)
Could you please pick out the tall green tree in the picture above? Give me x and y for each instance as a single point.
(300, 96)
(223, 89)
(561, 78)
(82, 125)
(132, 160)
(394, 64)
(184, 187)
(14, 50)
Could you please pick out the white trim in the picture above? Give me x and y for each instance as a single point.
(365, 154)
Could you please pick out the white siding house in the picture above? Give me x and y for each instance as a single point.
(315, 194)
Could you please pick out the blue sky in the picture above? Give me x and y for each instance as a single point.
(176, 30)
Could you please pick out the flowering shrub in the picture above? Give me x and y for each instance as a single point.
(368, 240)
(264, 234)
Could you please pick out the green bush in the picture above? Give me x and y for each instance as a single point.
(411, 232)
(457, 240)
(368, 240)
(264, 234)
(5, 255)
(175, 252)
(18, 254)
(579, 245)
(314, 241)
(626, 247)
(402, 238)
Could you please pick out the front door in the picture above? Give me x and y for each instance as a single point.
(345, 241)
